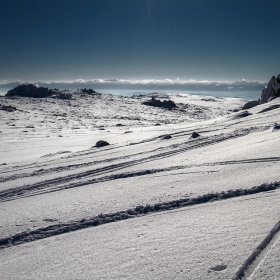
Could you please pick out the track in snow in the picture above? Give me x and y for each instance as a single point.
(140, 210)
(91, 176)
(248, 267)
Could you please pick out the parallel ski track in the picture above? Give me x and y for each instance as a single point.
(82, 178)
(140, 210)
(87, 154)
(247, 268)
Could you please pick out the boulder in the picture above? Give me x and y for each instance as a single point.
(276, 127)
(165, 137)
(195, 135)
(250, 104)
(101, 143)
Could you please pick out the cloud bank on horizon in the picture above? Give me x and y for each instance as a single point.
(148, 84)
(194, 40)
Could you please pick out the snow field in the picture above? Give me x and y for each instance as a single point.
(53, 178)
(189, 243)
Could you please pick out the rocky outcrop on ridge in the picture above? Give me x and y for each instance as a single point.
(8, 108)
(270, 92)
(157, 103)
(30, 90)
(88, 91)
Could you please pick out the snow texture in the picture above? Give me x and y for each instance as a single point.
(187, 193)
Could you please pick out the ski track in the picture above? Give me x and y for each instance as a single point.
(85, 178)
(87, 155)
(140, 210)
(251, 263)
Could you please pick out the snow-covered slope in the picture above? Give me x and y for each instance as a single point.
(147, 206)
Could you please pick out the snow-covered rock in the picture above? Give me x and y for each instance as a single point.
(250, 104)
(270, 91)
(276, 86)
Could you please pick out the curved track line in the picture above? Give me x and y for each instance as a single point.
(68, 181)
(158, 154)
(140, 210)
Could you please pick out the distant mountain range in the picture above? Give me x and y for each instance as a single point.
(166, 84)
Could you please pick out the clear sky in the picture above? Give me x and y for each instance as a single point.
(220, 40)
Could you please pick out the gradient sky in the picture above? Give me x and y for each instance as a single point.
(220, 40)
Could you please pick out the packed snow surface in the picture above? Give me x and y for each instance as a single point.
(157, 203)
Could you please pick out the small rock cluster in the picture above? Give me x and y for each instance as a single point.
(29, 90)
(157, 103)
(88, 91)
(7, 108)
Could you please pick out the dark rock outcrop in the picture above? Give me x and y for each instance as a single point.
(29, 90)
(276, 127)
(7, 108)
(101, 143)
(165, 137)
(250, 104)
(195, 135)
(64, 95)
(88, 90)
(270, 92)
(157, 103)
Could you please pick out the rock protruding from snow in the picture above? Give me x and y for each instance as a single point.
(276, 86)
(8, 108)
(250, 104)
(101, 143)
(30, 90)
(271, 91)
(195, 135)
(276, 127)
(165, 137)
(157, 103)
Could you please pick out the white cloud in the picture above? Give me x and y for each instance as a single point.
(98, 81)
(80, 80)
(145, 81)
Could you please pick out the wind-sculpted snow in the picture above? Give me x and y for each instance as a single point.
(139, 210)
(193, 182)
(88, 177)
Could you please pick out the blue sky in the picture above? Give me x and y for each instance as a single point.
(66, 40)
